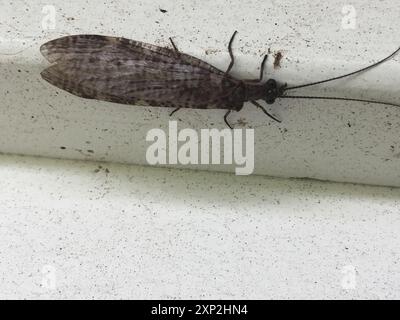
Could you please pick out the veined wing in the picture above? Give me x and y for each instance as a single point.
(113, 73)
(109, 48)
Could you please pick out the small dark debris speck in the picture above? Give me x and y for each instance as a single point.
(63, 148)
(277, 61)
(163, 10)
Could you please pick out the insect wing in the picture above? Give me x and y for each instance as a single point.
(133, 72)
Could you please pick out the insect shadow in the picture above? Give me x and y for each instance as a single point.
(131, 72)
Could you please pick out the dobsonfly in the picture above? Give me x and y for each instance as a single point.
(136, 73)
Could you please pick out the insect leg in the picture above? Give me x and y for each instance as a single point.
(230, 52)
(265, 111)
(174, 111)
(173, 44)
(226, 119)
(262, 68)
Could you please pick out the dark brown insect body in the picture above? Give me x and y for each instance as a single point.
(136, 73)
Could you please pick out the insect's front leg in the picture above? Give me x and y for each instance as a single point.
(231, 53)
(262, 68)
(265, 111)
(233, 60)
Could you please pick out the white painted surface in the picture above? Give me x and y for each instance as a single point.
(71, 230)
(325, 140)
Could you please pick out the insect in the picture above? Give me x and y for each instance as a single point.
(137, 73)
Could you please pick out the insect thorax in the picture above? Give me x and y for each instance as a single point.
(254, 90)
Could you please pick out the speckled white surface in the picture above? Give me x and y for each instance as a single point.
(73, 229)
(351, 142)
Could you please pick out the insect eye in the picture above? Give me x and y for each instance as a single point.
(271, 83)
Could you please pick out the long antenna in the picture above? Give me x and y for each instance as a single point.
(343, 99)
(346, 75)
